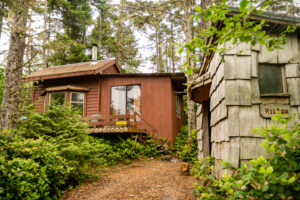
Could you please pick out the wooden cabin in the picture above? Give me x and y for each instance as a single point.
(113, 102)
(244, 92)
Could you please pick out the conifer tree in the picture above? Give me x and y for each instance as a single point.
(17, 18)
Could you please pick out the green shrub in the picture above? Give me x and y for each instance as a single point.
(51, 152)
(33, 167)
(187, 152)
(132, 149)
(275, 178)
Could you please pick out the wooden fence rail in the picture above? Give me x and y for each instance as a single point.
(120, 124)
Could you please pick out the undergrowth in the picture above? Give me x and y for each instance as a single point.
(187, 152)
(52, 152)
(275, 178)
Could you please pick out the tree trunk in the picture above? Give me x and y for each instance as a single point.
(120, 35)
(188, 38)
(167, 57)
(172, 49)
(158, 67)
(13, 72)
(45, 35)
(100, 29)
(2, 13)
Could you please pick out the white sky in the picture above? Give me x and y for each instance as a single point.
(142, 41)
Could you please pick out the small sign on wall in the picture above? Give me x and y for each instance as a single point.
(269, 110)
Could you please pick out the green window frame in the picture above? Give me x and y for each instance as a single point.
(271, 79)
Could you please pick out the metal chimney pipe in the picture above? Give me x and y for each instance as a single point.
(94, 52)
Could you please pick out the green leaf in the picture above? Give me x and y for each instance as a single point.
(269, 170)
(189, 71)
(180, 50)
(207, 15)
(291, 180)
(261, 170)
(243, 5)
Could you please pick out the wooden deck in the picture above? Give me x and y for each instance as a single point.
(119, 124)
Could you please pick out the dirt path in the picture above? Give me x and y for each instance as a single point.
(145, 179)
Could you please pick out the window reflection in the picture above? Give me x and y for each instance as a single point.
(125, 98)
(77, 101)
(57, 98)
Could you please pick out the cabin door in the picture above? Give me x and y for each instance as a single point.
(206, 129)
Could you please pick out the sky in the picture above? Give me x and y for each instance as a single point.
(143, 43)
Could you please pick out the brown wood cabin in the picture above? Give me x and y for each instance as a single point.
(102, 92)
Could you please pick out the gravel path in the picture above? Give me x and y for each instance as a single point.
(144, 179)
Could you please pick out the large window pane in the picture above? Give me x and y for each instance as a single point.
(134, 98)
(270, 79)
(125, 98)
(118, 100)
(58, 98)
(77, 101)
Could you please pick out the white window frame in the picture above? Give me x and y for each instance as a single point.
(78, 101)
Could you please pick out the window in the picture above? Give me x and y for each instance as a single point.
(178, 108)
(270, 79)
(57, 98)
(125, 97)
(77, 101)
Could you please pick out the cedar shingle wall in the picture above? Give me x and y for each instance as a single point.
(235, 100)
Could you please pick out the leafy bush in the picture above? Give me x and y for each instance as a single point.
(32, 167)
(275, 178)
(187, 152)
(51, 152)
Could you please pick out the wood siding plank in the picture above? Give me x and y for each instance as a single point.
(234, 152)
(254, 64)
(294, 89)
(292, 70)
(289, 53)
(237, 67)
(266, 56)
(238, 92)
(255, 94)
(233, 122)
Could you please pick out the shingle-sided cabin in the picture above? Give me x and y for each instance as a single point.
(244, 92)
(113, 102)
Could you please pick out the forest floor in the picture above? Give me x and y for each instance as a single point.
(154, 179)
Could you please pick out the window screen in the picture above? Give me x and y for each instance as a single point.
(125, 97)
(57, 98)
(178, 108)
(118, 103)
(77, 101)
(270, 79)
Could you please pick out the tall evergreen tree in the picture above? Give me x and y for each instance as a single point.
(69, 46)
(3, 13)
(17, 18)
(115, 37)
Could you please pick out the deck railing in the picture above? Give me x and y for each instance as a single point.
(111, 123)
(120, 124)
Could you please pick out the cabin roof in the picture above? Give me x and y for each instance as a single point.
(270, 17)
(76, 69)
